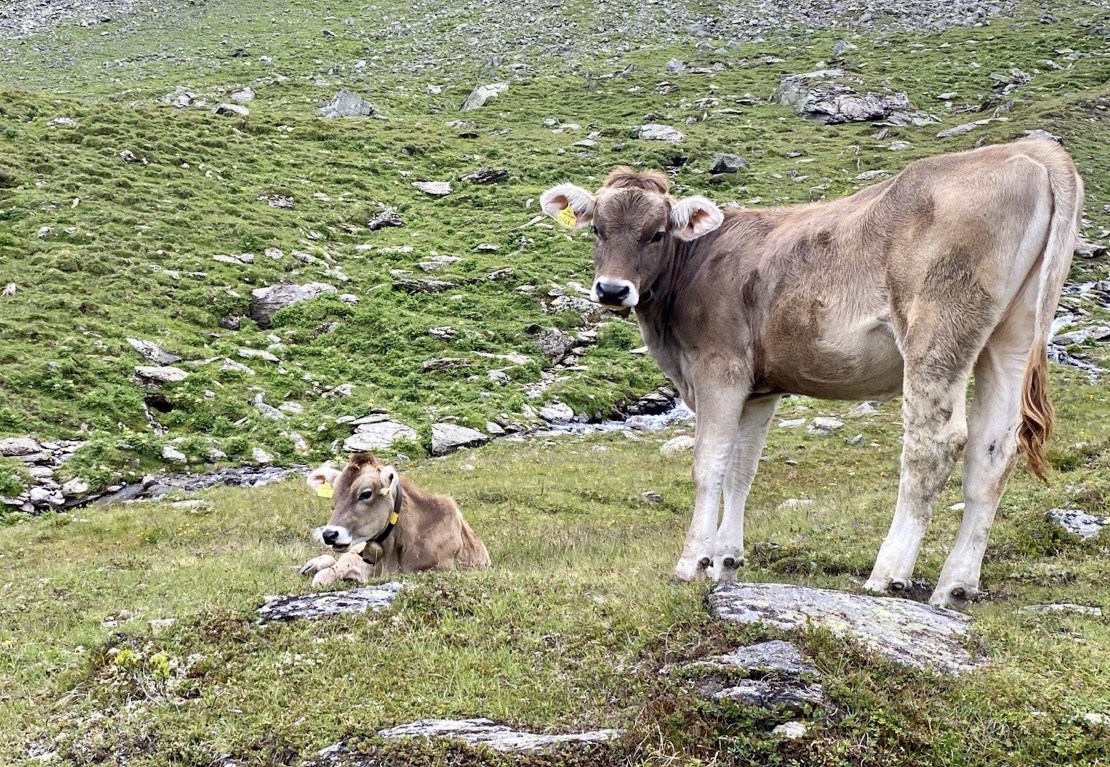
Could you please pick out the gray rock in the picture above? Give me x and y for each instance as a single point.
(152, 352)
(961, 129)
(790, 730)
(554, 343)
(495, 429)
(232, 110)
(486, 176)
(161, 374)
(244, 96)
(260, 457)
(656, 132)
(348, 104)
(676, 446)
(729, 163)
(775, 658)
(589, 311)
(1077, 522)
(434, 188)
(257, 354)
(828, 96)
(483, 93)
(268, 411)
(841, 47)
(824, 426)
(75, 487)
(40, 496)
(556, 412)
(238, 367)
(1085, 248)
(445, 363)
(483, 732)
(128, 156)
(265, 302)
(386, 217)
(173, 455)
(63, 122)
(772, 694)
(18, 446)
(435, 263)
(907, 632)
(422, 286)
(313, 606)
(449, 437)
(378, 436)
(791, 423)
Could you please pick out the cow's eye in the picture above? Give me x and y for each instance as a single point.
(657, 237)
(366, 495)
(598, 235)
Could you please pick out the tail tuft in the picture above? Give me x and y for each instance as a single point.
(1036, 414)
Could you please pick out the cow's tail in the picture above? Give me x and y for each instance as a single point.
(1036, 409)
(473, 554)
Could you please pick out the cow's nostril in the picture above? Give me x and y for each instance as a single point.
(330, 536)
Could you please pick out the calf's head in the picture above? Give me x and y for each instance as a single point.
(362, 500)
(635, 223)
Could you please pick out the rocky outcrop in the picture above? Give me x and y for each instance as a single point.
(482, 94)
(829, 96)
(348, 104)
(380, 435)
(903, 631)
(267, 301)
(1075, 522)
(314, 606)
(449, 437)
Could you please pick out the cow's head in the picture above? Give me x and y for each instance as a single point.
(362, 500)
(634, 220)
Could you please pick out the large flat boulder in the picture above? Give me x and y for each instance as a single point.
(313, 606)
(267, 301)
(483, 732)
(907, 632)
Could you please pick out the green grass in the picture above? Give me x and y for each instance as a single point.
(571, 626)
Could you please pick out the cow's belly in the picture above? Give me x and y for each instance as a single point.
(856, 361)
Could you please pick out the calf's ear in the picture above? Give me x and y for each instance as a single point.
(324, 474)
(570, 205)
(390, 479)
(692, 217)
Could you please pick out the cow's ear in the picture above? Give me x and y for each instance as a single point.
(570, 205)
(390, 479)
(692, 217)
(325, 475)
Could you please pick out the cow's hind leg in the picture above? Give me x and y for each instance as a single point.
(747, 447)
(952, 323)
(990, 455)
(715, 430)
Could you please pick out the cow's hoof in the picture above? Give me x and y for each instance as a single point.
(691, 569)
(954, 597)
(880, 585)
(316, 564)
(325, 577)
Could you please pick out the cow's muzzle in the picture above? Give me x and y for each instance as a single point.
(612, 292)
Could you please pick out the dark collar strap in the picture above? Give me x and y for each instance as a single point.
(380, 537)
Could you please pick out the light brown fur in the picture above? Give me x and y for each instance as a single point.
(430, 533)
(952, 266)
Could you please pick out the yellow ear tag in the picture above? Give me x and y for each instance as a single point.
(324, 491)
(566, 217)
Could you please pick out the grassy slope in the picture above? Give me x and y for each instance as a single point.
(133, 258)
(570, 628)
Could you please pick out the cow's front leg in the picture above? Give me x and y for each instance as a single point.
(747, 447)
(719, 411)
(316, 564)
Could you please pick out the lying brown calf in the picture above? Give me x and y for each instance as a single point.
(382, 523)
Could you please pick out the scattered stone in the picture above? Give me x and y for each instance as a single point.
(173, 455)
(238, 367)
(435, 263)
(1062, 609)
(864, 408)
(445, 333)
(386, 217)
(193, 506)
(676, 446)
(773, 694)
(1077, 522)
(348, 104)
(244, 96)
(790, 730)
(557, 412)
(422, 286)
(791, 423)
(128, 156)
(261, 457)
(554, 343)
(961, 129)
(871, 175)
(434, 188)
(828, 96)
(824, 426)
(152, 352)
(486, 176)
(267, 301)
(268, 411)
(483, 93)
(12, 447)
(258, 354)
(501, 274)
(232, 110)
(729, 163)
(841, 47)
(75, 487)
(656, 132)
(448, 437)
(313, 606)
(774, 657)
(162, 374)
(588, 310)
(483, 732)
(652, 497)
(230, 322)
(9, 289)
(1084, 248)
(904, 631)
(445, 363)
(896, 146)
(62, 122)
(494, 429)
(159, 626)
(378, 436)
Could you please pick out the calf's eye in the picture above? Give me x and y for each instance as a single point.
(366, 495)
(657, 237)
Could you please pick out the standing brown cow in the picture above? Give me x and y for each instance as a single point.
(953, 266)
